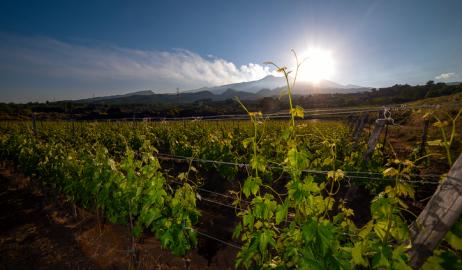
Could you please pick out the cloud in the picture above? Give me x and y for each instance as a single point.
(48, 61)
(445, 76)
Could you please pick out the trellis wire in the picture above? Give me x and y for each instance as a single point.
(279, 115)
(240, 247)
(241, 209)
(214, 238)
(349, 174)
(222, 204)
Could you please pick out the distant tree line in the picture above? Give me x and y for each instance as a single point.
(86, 111)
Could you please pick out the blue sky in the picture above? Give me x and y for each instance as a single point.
(76, 49)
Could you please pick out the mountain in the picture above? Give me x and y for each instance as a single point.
(454, 83)
(353, 86)
(326, 87)
(271, 83)
(129, 95)
(150, 98)
(266, 87)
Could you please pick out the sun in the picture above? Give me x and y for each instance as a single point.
(318, 65)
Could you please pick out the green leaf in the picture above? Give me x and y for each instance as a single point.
(248, 220)
(381, 258)
(237, 231)
(266, 237)
(400, 258)
(356, 254)
(258, 225)
(246, 142)
(258, 163)
(325, 236)
(297, 159)
(440, 124)
(286, 133)
(150, 216)
(297, 112)
(309, 231)
(404, 189)
(281, 212)
(251, 186)
(182, 176)
(137, 230)
(433, 263)
(454, 241)
(380, 228)
(390, 172)
(399, 229)
(443, 259)
(166, 239)
(435, 143)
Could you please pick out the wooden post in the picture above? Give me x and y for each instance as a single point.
(351, 122)
(133, 251)
(424, 138)
(34, 125)
(385, 136)
(368, 126)
(441, 212)
(73, 127)
(374, 138)
(73, 130)
(360, 127)
(355, 126)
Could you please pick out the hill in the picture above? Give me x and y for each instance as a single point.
(149, 104)
(270, 86)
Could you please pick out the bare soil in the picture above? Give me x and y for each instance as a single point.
(38, 230)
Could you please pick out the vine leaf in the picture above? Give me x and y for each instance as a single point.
(297, 112)
(281, 212)
(356, 254)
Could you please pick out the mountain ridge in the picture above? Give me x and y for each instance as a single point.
(252, 90)
(272, 82)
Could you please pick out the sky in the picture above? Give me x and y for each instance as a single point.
(55, 50)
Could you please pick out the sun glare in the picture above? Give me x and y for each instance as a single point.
(318, 65)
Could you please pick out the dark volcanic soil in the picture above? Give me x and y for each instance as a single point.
(39, 231)
(30, 238)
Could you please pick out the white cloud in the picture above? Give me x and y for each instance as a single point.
(101, 66)
(445, 76)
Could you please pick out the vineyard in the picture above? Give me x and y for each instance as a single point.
(332, 189)
(231, 135)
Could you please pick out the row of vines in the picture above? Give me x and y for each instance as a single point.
(288, 217)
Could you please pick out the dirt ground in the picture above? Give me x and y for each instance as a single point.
(39, 231)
